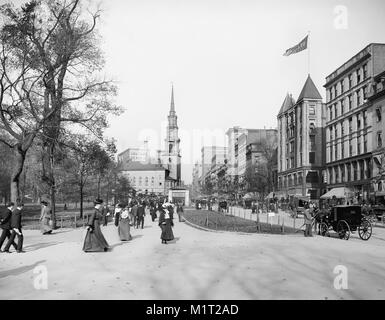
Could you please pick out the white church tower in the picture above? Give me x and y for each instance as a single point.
(171, 158)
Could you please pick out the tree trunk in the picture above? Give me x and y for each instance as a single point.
(16, 173)
(98, 191)
(81, 187)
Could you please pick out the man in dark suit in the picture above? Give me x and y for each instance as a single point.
(140, 216)
(16, 229)
(5, 224)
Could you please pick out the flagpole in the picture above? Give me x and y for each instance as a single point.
(308, 53)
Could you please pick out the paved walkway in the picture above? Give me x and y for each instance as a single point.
(197, 265)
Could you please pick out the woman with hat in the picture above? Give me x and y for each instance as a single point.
(124, 224)
(94, 240)
(165, 223)
(45, 218)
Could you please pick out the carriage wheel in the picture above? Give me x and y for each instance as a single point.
(365, 230)
(343, 230)
(324, 229)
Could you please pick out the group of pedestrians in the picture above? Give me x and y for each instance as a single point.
(127, 216)
(10, 224)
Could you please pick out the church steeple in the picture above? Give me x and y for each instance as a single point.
(172, 108)
(172, 118)
(171, 155)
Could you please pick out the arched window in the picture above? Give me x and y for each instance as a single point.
(170, 148)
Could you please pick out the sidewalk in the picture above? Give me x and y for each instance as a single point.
(196, 265)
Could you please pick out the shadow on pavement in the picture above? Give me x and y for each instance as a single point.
(174, 241)
(38, 246)
(20, 270)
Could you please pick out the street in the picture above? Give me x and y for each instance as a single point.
(197, 265)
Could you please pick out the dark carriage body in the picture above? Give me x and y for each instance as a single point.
(351, 214)
(345, 219)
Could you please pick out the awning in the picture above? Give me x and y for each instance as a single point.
(248, 196)
(339, 193)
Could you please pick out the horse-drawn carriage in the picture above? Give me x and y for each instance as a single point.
(344, 220)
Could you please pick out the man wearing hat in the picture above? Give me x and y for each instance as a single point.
(16, 229)
(5, 224)
(140, 215)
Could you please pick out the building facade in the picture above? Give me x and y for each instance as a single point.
(196, 174)
(232, 135)
(377, 100)
(351, 136)
(148, 178)
(250, 147)
(134, 155)
(301, 143)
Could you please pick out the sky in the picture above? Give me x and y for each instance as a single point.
(225, 60)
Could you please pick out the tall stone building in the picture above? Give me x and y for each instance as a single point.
(377, 100)
(353, 130)
(301, 143)
(171, 158)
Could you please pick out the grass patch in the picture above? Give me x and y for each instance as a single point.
(218, 221)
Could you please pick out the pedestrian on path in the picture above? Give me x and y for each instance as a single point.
(16, 229)
(124, 225)
(5, 225)
(140, 215)
(134, 212)
(94, 240)
(153, 212)
(179, 211)
(166, 224)
(45, 218)
(117, 211)
(308, 221)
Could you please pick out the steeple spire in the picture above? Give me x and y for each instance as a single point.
(172, 109)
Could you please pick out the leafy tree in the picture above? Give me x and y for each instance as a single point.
(86, 158)
(58, 39)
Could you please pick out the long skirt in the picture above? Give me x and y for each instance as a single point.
(167, 233)
(94, 240)
(45, 226)
(124, 230)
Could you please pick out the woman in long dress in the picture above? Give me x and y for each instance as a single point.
(124, 225)
(165, 223)
(94, 240)
(45, 218)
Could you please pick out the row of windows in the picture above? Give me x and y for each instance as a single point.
(361, 147)
(346, 104)
(144, 181)
(357, 170)
(297, 179)
(338, 129)
(290, 162)
(349, 82)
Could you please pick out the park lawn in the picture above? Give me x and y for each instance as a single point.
(225, 222)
